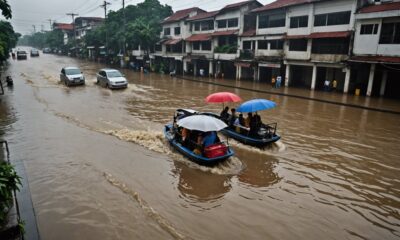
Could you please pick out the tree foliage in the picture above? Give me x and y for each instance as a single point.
(8, 39)
(5, 9)
(142, 28)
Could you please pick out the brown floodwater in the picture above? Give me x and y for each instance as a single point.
(99, 168)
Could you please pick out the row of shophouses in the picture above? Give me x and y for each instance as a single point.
(355, 42)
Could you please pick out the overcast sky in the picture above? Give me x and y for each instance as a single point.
(38, 12)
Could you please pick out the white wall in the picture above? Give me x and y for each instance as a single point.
(366, 44)
(335, 6)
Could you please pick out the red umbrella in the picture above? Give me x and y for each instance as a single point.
(221, 97)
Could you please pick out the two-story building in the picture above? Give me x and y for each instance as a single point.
(311, 37)
(171, 49)
(85, 24)
(213, 46)
(375, 63)
(66, 28)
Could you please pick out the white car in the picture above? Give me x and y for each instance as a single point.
(111, 78)
(72, 76)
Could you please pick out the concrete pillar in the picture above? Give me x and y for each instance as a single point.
(383, 83)
(240, 72)
(195, 68)
(185, 68)
(211, 68)
(314, 77)
(347, 80)
(287, 75)
(237, 72)
(256, 74)
(371, 79)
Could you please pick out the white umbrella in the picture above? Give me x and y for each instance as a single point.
(202, 123)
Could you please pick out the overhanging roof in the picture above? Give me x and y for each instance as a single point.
(225, 33)
(381, 7)
(343, 34)
(172, 41)
(375, 59)
(199, 37)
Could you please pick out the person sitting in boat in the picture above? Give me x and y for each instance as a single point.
(232, 117)
(239, 123)
(209, 138)
(248, 119)
(224, 114)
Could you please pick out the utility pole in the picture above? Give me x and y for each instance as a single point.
(104, 5)
(73, 24)
(42, 28)
(51, 27)
(123, 29)
(34, 28)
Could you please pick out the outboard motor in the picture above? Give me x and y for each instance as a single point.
(9, 81)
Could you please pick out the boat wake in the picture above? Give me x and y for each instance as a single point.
(155, 141)
(151, 212)
(272, 148)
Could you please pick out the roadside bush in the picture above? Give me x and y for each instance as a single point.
(9, 182)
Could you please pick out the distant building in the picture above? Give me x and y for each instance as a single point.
(306, 42)
(375, 64)
(85, 24)
(67, 29)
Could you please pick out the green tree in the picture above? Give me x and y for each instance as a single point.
(8, 39)
(5, 9)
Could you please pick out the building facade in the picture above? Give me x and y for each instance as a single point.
(306, 42)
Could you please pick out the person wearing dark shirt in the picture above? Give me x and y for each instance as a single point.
(224, 114)
(232, 117)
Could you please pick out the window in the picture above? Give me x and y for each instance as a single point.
(262, 44)
(221, 23)
(390, 33)
(167, 31)
(271, 21)
(196, 45)
(246, 45)
(158, 47)
(197, 26)
(276, 44)
(177, 30)
(367, 29)
(207, 25)
(330, 19)
(298, 45)
(206, 45)
(233, 22)
(299, 22)
(330, 46)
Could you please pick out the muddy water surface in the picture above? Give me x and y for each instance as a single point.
(99, 167)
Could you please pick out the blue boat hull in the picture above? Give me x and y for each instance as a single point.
(189, 154)
(257, 142)
(245, 139)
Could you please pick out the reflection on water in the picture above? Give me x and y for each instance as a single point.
(259, 171)
(196, 185)
(333, 175)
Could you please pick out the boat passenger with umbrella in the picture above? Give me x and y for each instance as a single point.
(253, 132)
(194, 135)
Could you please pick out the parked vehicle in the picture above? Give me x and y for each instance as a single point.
(46, 50)
(22, 55)
(72, 76)
(111, 78)
(34, 52)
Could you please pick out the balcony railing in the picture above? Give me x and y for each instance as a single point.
(246, 54)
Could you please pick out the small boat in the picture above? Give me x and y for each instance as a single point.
(265, 135)
(210, 155)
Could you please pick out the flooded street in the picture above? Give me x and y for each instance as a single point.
(99, 167)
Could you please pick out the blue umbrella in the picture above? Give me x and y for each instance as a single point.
(256, 105)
